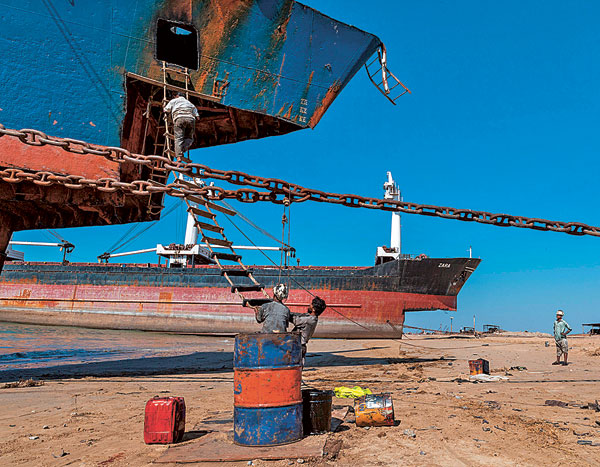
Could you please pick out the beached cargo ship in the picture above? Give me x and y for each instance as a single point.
(190, 294)
(98, 71)
(198, 299)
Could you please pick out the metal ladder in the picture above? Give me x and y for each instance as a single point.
(204, 209)
(383, 78)
(158, 172)
(200, 207)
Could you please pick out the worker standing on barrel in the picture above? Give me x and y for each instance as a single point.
(274, 315)
(306, 323)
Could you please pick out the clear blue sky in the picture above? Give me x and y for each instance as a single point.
(503, 118)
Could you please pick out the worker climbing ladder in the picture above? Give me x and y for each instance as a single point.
(164, 141)
(240, 277)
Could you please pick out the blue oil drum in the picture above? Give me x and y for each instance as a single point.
(267, 396)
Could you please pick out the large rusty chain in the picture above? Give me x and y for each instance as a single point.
(274, 190)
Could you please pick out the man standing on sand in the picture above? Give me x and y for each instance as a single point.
(184, 115)
(306, 323)
(274, 315)
(561, 329)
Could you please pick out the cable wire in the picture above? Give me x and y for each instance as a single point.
(120, 243)
(347, 317)
(260, 229)
(56, 235)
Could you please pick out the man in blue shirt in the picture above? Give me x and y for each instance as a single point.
(274, 315)
(561, 329)
(306, 323)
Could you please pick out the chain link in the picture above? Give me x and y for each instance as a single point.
(275, 190)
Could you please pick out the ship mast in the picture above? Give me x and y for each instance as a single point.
(191, 231)
(190, 252)
(385, 254)
(393, 192)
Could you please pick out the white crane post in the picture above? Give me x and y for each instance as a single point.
(191, 231)
(392, 192)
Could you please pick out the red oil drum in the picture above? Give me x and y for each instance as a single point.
(267, 376)
(164, 420)
(266, 387)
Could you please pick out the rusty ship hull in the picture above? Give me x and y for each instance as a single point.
(94, 71)
(97, 71)
(258, 68)
(363, 301)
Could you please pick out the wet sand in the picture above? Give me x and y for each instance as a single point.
(98, 420)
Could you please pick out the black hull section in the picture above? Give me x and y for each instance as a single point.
(429, 276)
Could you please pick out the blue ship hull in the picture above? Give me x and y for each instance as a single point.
(66, 64)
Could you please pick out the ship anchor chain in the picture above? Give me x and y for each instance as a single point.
(274, 190)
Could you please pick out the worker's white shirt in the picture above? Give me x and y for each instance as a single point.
(180, 107)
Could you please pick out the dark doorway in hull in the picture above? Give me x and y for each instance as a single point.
(177, 43)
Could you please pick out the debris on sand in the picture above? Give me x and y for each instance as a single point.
(594, 406)
(493, 404)
(459, 380)
(332, 448)
(554, 403)
(23, 383)
(594, 352)
(587, 442)
(62, 453)
(487, 378)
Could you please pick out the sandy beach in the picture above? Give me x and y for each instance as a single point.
(93, 413)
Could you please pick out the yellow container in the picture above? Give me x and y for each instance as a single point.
(374, 410)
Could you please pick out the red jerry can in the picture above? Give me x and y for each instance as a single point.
(164, 421)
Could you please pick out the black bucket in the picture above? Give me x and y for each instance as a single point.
(316, 411)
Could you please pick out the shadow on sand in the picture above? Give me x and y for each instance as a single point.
(189, 364)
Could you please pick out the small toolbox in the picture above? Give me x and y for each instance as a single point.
(164, 420)
(479, 366)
